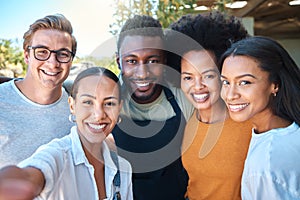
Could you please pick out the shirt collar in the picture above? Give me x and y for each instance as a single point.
(77, 150)
(79, 155)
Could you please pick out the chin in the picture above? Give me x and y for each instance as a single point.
(237, 117)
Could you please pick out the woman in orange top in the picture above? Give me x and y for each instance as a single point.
(214, 146)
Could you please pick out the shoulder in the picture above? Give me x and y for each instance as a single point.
(124, 165)
(6, 86)
(56, 147)
(186, 106)
(4, 79)
(68, 86)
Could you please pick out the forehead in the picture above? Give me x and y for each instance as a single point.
(51, 37)
(198, 60)
(137, 42)
(98, 86)
(234, 66)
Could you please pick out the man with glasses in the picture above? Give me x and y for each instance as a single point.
(34, 110)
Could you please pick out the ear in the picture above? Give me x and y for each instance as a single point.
(26, 56)
(275, 88)
(71, 102)
(118, 61)
(120, 105)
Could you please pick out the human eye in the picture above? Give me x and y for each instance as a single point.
(87, 102)
(186, 78)
(244, 82)
(131, 61)
(64, 54)
(110, 104)
(42, 52)
(153, 61)
(209, 76)
(225, 82)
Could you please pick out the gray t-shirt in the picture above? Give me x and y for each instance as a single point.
(25, 125)
(160, 109)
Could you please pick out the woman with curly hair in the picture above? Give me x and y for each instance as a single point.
(214, 146)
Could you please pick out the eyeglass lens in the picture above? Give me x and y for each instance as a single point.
(43, 54)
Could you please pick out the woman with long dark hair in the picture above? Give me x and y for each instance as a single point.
(261, 83)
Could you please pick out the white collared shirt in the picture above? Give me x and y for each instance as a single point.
(69, 175)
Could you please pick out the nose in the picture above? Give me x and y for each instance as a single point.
(141, 71)
(99, 112)
(199, 83)
(52, 59)
(229, 93)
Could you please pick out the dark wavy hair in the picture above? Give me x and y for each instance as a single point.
(213, 31)
(94, 71)
(141, 25)
(283, 71)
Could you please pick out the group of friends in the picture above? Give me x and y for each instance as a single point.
(204, 111)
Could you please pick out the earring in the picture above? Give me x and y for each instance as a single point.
(274, 94)
(119, 120)
(72, 118)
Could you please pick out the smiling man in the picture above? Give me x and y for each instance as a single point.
(154, 113)
(34, 110)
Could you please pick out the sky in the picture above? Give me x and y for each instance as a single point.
(90, 20)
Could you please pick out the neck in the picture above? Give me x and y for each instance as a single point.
(38, 94)
(150, 98)
(266, 121)
(216, 113)
(93, 154)
(99, 175)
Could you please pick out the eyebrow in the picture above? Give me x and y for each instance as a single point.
(133, 55)
(241, 76)
(93, 97)
(46, 47)
(209, 70)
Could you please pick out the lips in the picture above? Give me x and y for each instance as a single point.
(200, 97)
(142, 84)
(50, 73)
(97, 127)
(237, 107)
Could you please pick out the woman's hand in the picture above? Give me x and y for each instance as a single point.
(20, 183)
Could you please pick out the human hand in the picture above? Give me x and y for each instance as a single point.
(16, 189)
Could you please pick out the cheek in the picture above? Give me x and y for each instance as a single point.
(127, 71)
(82, 113)
(214, 85)
(185, 86)
(223, 92)
(262, 102)
(113, 115)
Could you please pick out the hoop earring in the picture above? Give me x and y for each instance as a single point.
(72, 118)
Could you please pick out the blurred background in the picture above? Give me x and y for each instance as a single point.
(96, 24)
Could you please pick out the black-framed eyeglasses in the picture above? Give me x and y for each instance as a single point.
(42, 54)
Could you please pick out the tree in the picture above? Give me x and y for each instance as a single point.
(169, 11)
(11, 59)
(107, 62)
(166, 11)
(128, 8)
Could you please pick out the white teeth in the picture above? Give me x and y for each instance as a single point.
(97, 127)
(200, 96)
(237, 107)
(50, 73)
(142, 84)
